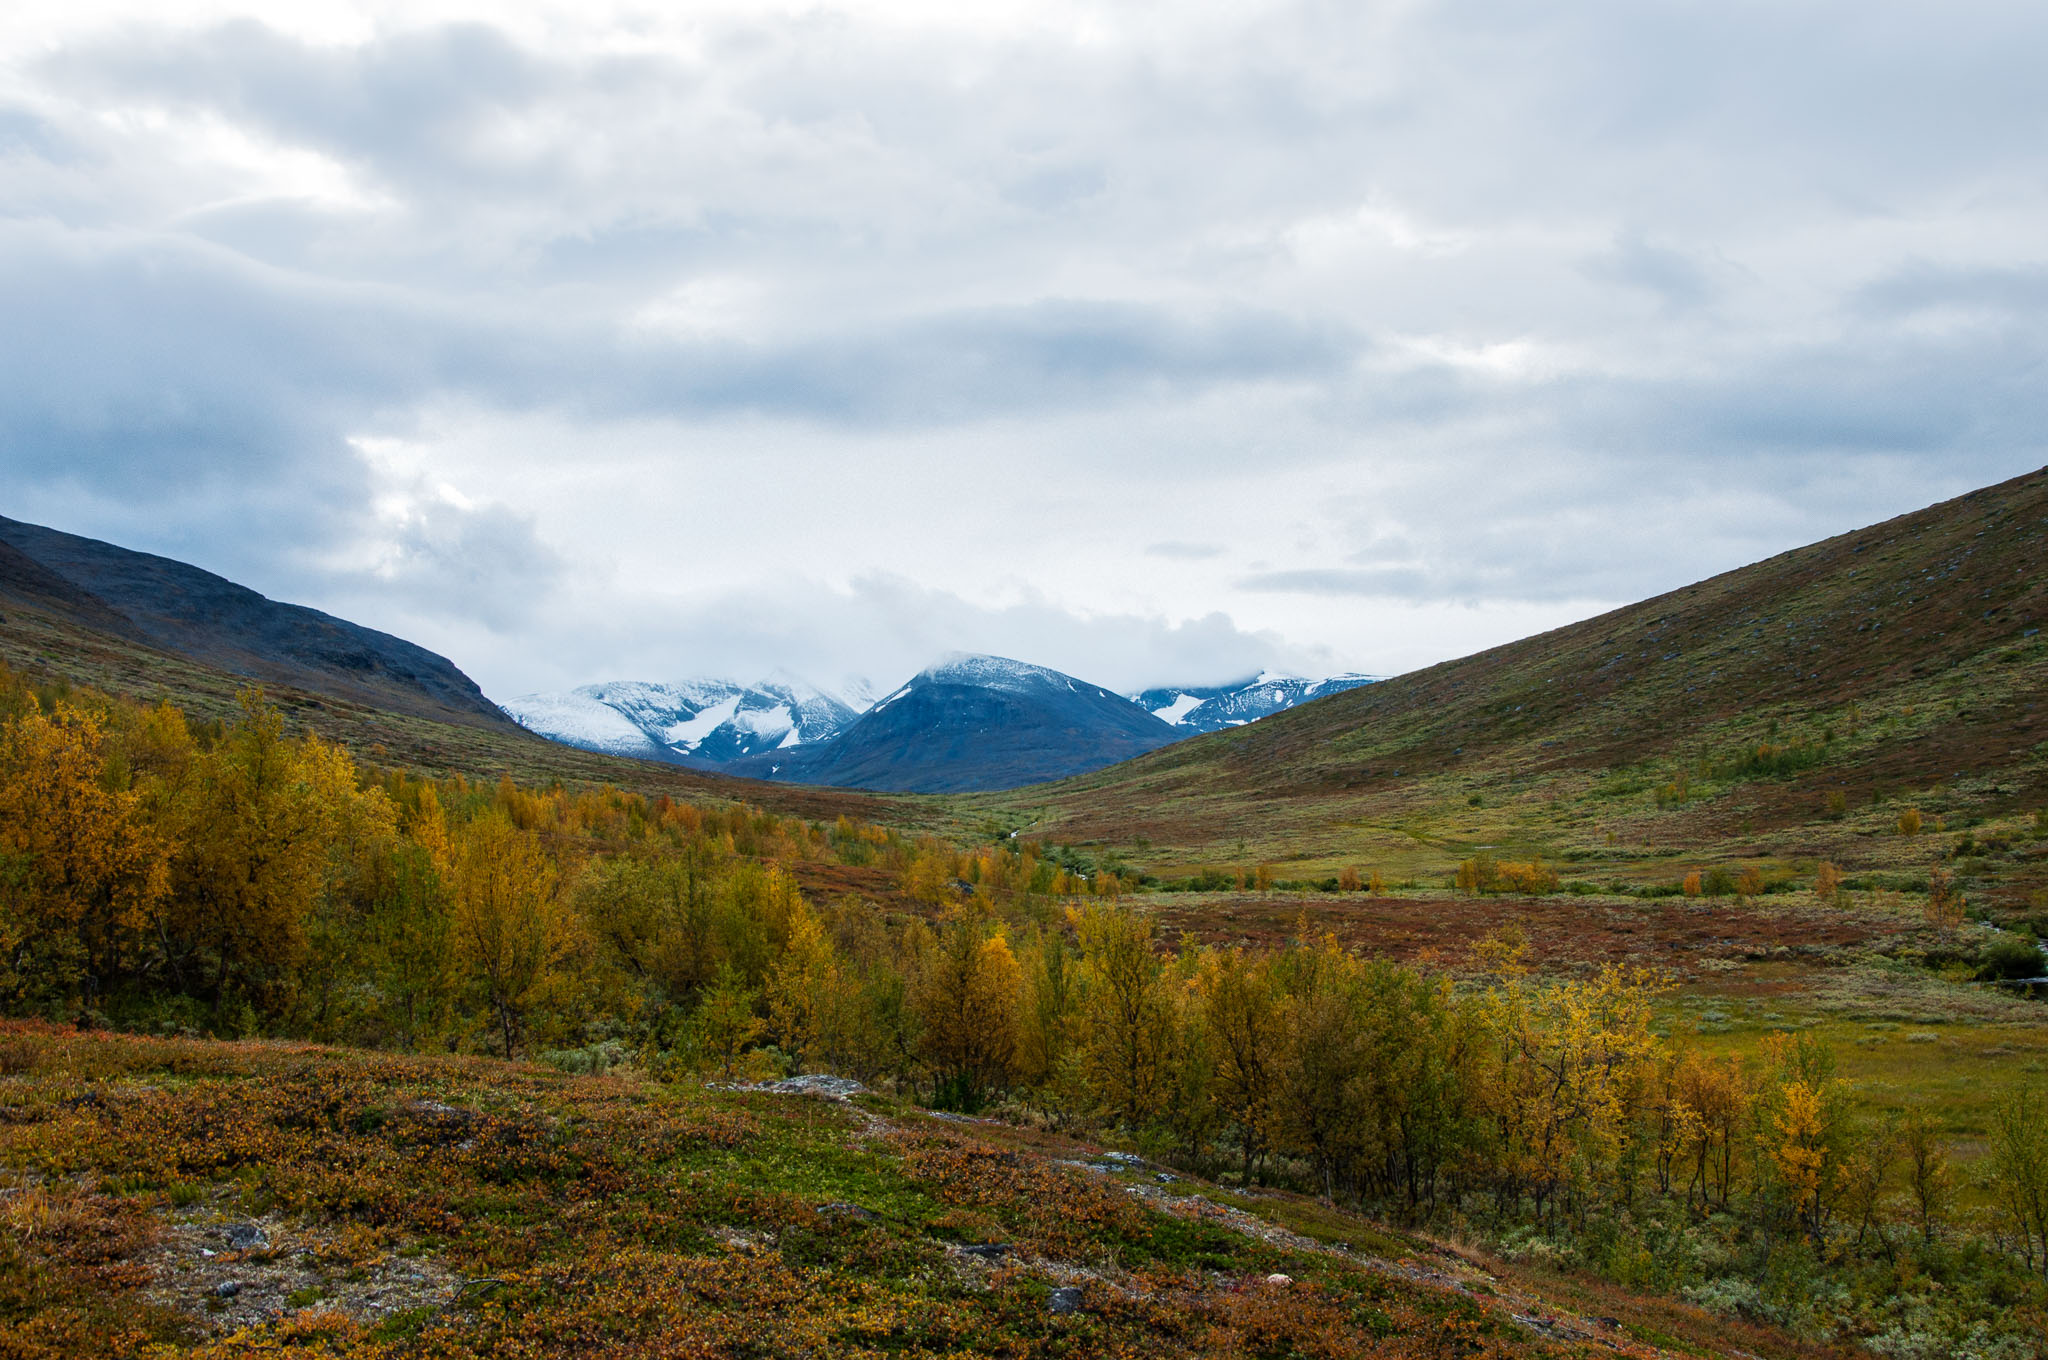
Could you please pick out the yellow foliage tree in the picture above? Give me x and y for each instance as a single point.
(801, 986)
(1243, 1020)
(1575, 1064)
(1533, 878)
(1706, 1105)
(258, 819)
(968, 1000)
(1805, 1125)
(83, 874)
(931, 875)
(1478, 874)
(1126, 1019)
(510, 926)
(1800, 1155)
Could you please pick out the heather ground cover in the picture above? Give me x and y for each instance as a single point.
(195, 1197)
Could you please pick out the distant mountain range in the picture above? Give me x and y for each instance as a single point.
(172, 607)
(701, 723)
(967, 723)
(973, 723)
(1211, 708)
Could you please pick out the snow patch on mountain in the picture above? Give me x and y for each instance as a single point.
(1182, 705)
(687, 734)
(1209, 708)
(998, 673)
(577, 719)
(703, 721)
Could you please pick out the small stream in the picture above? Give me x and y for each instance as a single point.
(2029, 983)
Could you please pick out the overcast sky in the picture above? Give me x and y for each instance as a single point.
(1153, 343)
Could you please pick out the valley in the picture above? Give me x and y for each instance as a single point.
(1657, 985)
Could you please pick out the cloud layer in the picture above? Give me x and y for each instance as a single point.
(1157, 343)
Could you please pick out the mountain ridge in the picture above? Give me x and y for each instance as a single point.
(191, 612)
(1209, 708)
(971, 723)
(703, 722)
(709, 722)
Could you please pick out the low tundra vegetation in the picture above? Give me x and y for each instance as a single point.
(234, 880)
(572, 1216)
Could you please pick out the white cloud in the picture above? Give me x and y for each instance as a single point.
(1142, 340)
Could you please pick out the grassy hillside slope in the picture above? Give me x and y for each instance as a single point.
(184, 610)
(1901, 662)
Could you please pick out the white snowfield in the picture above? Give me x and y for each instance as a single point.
(1181, 706)
(579, 720)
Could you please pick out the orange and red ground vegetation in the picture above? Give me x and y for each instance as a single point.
(557, 1215)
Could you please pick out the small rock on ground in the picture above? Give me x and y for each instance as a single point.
(838, 1088)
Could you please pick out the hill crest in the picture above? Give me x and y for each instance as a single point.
(193, 613)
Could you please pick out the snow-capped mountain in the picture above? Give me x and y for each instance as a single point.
(998, 673)
(966, 722)
(704, 722)
(1209, 708)
(974, 723)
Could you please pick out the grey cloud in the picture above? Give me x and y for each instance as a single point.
(1973, 394)
(22, 133)
(161, 369)
(1393, 582)
(168, 365)
(966, 365)
(1308, 228)
(425, 90)
(1923, 286)
(1671, 275)
(486, 564)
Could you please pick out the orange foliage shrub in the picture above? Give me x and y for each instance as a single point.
(1533, 878)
